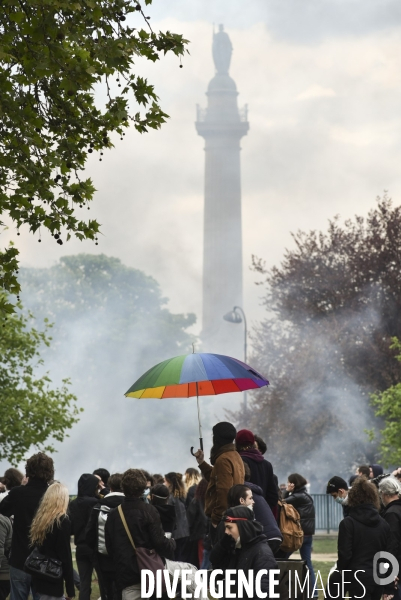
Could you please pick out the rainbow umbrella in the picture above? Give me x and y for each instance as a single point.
(196, 375)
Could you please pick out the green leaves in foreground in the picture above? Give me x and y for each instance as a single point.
(8, 276)
(388, 407)
(52, 55)
(32, 412)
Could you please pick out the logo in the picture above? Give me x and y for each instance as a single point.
(385, 568)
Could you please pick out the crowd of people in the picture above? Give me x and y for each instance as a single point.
(230, 515)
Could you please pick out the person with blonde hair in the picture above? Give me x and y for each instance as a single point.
(191, 479)
(50, 532)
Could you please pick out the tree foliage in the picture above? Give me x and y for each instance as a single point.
(112, 313)
(333, 306)
(388, 407)
(31, 411)
(54, 56)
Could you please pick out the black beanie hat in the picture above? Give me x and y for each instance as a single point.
(225, 432)
(336, 483)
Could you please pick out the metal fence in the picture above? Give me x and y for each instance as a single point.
(328, 512)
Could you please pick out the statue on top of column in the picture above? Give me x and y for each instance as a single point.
(222, 50)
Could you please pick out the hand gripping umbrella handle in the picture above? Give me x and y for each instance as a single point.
(200, 445)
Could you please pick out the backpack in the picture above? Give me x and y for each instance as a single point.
(290, 527)
(101, 524)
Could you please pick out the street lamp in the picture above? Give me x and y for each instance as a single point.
(234, 316)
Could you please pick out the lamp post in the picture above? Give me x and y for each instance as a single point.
(234, 316)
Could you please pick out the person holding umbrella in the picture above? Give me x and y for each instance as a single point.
(197, 375)
(226, 470)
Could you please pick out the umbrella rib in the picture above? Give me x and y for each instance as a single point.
(238, 388)
(167, 362)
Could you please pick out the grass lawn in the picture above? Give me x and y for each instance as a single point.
(95, 589)
(325, 545)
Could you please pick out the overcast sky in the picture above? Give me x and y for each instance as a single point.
(322, 80)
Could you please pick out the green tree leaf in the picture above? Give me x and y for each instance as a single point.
(51, 56)
(32, 412)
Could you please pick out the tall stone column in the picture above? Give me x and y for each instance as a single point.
(222, 125)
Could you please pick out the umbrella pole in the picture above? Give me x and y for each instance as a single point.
(199, 421)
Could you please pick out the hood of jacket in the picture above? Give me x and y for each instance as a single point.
(255, 488)
(253, 454)
(366, 514)
(87, 485)
(216, 452)
(248, 529)
(167, 510)
(377, 470)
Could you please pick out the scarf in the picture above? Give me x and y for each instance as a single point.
(253, 454)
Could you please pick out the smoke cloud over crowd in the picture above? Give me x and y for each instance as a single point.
(322, 81)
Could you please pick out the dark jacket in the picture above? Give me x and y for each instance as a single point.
(392, 516)
(261, 474)
(167, 516)
(57, 544)
(112, 500)
(304, 505)
(228, 470)
(22, 502)
(80, 510)
(190, 495)
(363, 533)
(255, 553)
(181, 528)
(197, 520)
(145, 526)
(263, 513)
